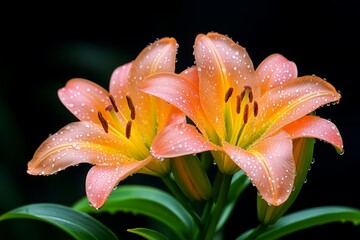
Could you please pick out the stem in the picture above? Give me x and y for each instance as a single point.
(182, 199)
(207, 210)
(210, 227)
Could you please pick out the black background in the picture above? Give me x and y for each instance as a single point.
(44, 46)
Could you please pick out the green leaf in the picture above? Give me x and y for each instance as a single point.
(78, 224)
(148, 233)
(305, 219)
(149, 201)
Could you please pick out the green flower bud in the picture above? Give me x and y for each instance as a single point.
(191, 177)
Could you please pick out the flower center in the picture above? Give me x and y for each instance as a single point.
(245, 107)
(119, 128)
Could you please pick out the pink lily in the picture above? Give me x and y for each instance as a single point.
(250, 117)
(116, 128)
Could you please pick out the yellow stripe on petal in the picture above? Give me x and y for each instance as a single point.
(287, 103)
(80, 142)
(269, 165)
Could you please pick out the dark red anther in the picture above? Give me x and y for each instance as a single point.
(238, 104)
(251, 97)
(246, 113)
(228, 94)
(128, 129)
(256, 109)
(113, 103)
(131, 107)
(103, 122)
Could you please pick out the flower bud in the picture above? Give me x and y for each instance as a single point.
(303, 149)
(191, 177)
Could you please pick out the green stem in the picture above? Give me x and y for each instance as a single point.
(182, 199)
(207, 210)
(210, 227)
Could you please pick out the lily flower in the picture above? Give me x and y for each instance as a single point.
(116, 127)
(250, 117)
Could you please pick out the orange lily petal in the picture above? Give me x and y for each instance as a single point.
(118, 89)
(179, 139)
(78, 142)
(289, 102)
(177, 90)
(84, 99)
(159, 56)
(221, 64)
(101, 181)
(316, 127)
(272, 72)
(270, 166)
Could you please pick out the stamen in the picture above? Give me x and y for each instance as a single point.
(251, 97)
(246, 113)
(112, 100)
(128, 129)
(242, 95)
(256, 108)
(103, 122)
(238, 103)
(228, 94)
(131, 107)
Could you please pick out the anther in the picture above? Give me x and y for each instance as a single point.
(113, 103)
(103, 122)
(251, 97)
(246, 111)
(128, 129)
(238, 103)
(242, 95)
(256, 108)
(131, 107)
(228, 94)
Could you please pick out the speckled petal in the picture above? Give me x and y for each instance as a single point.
(101, 181)
(78, 142)
(84, 99)
(178, 140)
(221, 64)
(272, 72)
(159, 56)
(177, 90)
(269, 165)
(118, 89)
(316, 127)
(287, 103)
